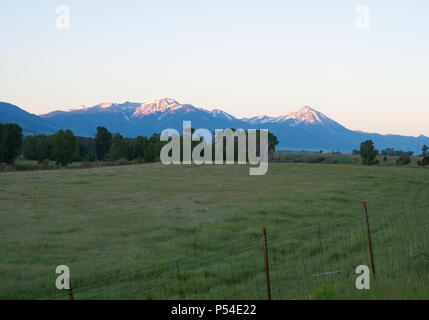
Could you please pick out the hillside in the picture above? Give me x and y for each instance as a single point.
(30, 123)
(305, 129)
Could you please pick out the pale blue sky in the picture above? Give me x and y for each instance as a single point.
(245, 57)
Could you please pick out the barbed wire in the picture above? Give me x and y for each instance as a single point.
(198, 260)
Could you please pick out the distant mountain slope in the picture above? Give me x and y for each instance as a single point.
(304, 129)
(133, 119)
(309, 129)
(30, 123)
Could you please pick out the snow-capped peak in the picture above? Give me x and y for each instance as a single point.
(167, 107)
(305, 115)
(220, 113)
(157, 105)
(259, 119)
(105, 105)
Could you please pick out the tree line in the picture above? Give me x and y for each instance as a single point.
(390, 152)
(64, 147)
(369, 154)
(10, 142)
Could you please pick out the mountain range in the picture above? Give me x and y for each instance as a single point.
(304, 129)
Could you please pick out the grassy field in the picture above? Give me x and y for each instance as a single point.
(335, 158)
(152, 231)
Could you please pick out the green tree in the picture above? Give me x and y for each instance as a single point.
(90, 156)
(30, 148)
(120, 148)
(138, 147)
(103, 143)
(85, 145)
(425, 149)
(10, 141)
(46, 145)
(150, 152)
(368, 152)
(272, 142)
(38, 147)
(65, 147)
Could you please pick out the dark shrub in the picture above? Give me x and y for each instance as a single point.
(424, 162)
(86, 164)
(137, 161)
(44, 165)
(25, 167)
(121, 162)
(403, 160)
(316, 160)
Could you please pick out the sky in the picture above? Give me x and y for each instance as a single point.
(366, 69)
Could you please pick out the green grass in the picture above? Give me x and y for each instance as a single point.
(305, 157)
(206, 221)
(335, 158)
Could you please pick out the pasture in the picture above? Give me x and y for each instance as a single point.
(167, 232)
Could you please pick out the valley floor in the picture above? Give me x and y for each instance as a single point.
(163, 232)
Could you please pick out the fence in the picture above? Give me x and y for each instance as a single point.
(311, 262)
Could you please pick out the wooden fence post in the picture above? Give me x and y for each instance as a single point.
(70, 291)
(267, 271)
(182, 293)
(371, 255)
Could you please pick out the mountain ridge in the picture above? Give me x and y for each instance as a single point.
(303, 129)
(30, 123)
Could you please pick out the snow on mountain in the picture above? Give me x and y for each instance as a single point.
(304, 129)
(167, 106)
(222, 114)
(259, 119)
(164, 108)
(135, 109)
(157, 105)
(305, 115)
